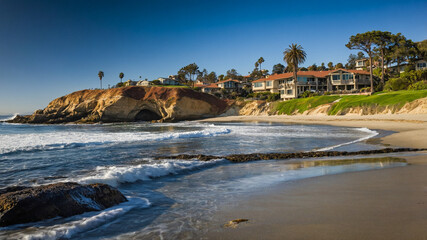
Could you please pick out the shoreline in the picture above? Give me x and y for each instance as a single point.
(410, 130)
(388, 203)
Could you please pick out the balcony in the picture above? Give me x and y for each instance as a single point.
(342, 82)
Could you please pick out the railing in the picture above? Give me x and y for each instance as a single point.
(342, 82)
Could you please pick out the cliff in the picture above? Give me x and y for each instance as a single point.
(126, 105)
(257, 108)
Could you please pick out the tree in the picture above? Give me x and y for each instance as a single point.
(330, 66)
(312, 67)
(221, 77)
(422, 47)
(351, 62)
(278, 68)
(121, 76)
(293, 56)
(339, 65)
(188, 71)
(232, 74)
(260, 61)
(211, 77)
(321, 67)
(383, 40)
(100, 75)
(365, 42)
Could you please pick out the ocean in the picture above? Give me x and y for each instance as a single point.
(168, 199)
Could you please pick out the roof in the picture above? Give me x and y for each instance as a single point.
(352, 71)
(213, 85)
(318, 74)
(228, 80)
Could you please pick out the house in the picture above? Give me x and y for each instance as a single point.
(314, 81)
(268, 84)
(362, 63)
(420, 65)
(168, 81)
(129, 83)
(212, 88)
(230, 85)
(321, 81)
(144, 83)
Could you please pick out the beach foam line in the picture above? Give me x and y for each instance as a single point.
(70, 229)
(116, 175)
(371, 133)
(12, 143)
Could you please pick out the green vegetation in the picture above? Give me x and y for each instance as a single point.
(396, 99)
(411, 80)
(303, 104)
(382, 99)
(270, 97)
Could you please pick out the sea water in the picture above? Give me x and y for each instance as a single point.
(167, 198)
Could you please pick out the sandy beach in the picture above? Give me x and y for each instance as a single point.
(378, 204)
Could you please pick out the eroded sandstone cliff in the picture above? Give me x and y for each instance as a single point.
(128, 104)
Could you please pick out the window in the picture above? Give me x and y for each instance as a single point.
(282, 92)
(347, 76)
(289, 91)
(336, 77)
(421, 65)
(302, 79)
(269, 83)
(258, 84)
(360, 64)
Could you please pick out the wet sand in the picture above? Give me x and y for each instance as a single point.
(378, 204)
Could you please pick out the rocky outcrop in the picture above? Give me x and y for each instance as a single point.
(30, 204)
(237, 158)
(128, 104)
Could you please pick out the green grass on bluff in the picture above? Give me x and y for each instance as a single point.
(381, 99)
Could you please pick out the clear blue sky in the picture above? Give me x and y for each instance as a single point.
(51, 48)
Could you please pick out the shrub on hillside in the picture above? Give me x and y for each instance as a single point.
(405, 80)
(421, 85)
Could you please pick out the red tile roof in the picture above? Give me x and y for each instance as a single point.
(228, 80)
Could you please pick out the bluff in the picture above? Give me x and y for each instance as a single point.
(126, 105)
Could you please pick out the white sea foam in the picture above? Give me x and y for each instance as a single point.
(9, 118)
(371, 133)
(115, 175)
(57, 140)
(69, 229)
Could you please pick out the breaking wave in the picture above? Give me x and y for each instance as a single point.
(10, 143)
(371, 133)
(70, 229)
(115, 175)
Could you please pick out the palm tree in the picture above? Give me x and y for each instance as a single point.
(121, 76)
(260, 61)
(100, 75)
(294, 55)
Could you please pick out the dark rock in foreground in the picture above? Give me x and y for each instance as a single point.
(30, 204)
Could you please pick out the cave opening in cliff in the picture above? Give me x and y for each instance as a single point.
(147, 115)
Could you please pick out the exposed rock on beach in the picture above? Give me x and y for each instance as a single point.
(30, 204)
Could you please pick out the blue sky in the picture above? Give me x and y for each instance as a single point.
(51, 48)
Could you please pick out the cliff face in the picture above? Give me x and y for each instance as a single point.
(128, 104)
(258, 108)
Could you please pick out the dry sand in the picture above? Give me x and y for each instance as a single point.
(378, 204)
